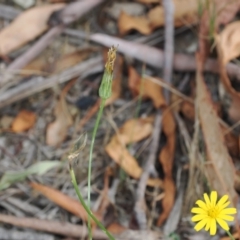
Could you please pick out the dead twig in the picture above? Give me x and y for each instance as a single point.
(140, 206)
(38, 84)
(175, 215)
(170, 88)
(167, 76)
(65, 229)
(18, 235)
(70, 13)
(154, 56)
(169, 44)
(34, 50)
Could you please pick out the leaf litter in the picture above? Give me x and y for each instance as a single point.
(25, 120)
(51, 127)
(34, 21)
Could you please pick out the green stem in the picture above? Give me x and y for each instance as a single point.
(90, 214)
(100, 111)
(230, 235)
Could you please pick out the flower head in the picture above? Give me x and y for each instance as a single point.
(105, 90)
(211, 212)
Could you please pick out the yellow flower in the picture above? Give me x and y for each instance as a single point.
(211, 212)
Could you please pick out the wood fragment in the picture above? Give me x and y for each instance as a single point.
(154, 56)
(140, 205)
(61, 228)
(20, 235)
(70, 13)
(37, 84)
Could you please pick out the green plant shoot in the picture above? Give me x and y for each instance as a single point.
(105, 92)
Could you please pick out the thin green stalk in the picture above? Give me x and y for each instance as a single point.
(105, 92)
(90, 214)
(90, 160)
(230, 235)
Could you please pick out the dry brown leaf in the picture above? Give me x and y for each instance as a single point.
(23, 121)
(182, 104)
(228, 44)
(116, 228)
(132, 131)
(185, 14)
(217, 12)
(231, 141)
(156, 17)
(233, 111)
(148, 90)
(166, 158)
(27, 26)
(69, 204)
(127, 23)
(188, 110)
(122, 157)
(66, 61)
(220, 171)
(225, 10)
(57, 130)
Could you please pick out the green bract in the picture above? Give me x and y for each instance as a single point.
(105, 90)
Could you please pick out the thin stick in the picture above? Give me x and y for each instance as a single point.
(140, 203)
(37, 84)
(169, 43)
(67, 15)
(54, 227)
(155, 56)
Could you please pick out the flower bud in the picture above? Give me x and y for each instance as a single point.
(105, 90)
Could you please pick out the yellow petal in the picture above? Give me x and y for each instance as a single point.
(202, 205)
(223, 224)
(226, 217)
(207, 200)
(198, 217)
(222, 200)
(208, 224)
(223, 206)
(213, 198)
(198, 210)
(228, 211)
(201, 224)
(213, 227)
